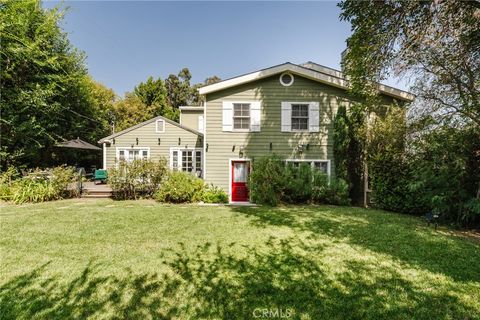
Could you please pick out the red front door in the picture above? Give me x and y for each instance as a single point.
(240, 171)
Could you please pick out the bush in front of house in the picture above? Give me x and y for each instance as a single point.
(267, 180)
(137, 179)
(213, 194)
(183, 187)
(180, 187)
(273, 181)
(38, 186)
(152, 179)
(330, 191)
(298, 183)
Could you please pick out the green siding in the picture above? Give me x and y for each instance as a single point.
(148, 137)
(271, 93)
(189, 118)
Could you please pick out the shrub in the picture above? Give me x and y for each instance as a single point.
(31, 189)
(272, 182)
(181, 187)
(330, 191)
(138, 179)
(298, 183)
(63, 179)
(267, 181)
(214, 194)
(36, 187)
(6, 180)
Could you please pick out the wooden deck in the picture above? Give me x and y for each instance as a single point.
(92, 190)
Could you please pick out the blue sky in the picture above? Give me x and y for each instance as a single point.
(126, 41)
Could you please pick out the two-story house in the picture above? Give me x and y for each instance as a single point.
(286, 109)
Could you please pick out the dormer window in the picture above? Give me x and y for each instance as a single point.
(160, 126)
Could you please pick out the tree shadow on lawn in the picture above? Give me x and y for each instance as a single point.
(404, 238)
(211, 283)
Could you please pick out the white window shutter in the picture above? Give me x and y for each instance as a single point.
(314, 117)
(227, 119)
(255, 116)
(286, 117)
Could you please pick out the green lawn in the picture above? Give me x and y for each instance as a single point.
(139, 259)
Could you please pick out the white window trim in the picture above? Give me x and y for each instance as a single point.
(251, 103)
(308, 117)
(163, 127)
(179, 150)
(130, 148)
(309, 103)
(286, 84)
(328, 161)
(230, 160)
(249, 118)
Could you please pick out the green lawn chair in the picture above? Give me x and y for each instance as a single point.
(100, 176)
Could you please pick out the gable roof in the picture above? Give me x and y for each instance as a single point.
(309, 70)
(107, 139)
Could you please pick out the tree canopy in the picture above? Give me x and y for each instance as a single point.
(435, 43)
(151, 92)
(46, 90)
(47, 94)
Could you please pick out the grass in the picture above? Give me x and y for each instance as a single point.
(106, 259)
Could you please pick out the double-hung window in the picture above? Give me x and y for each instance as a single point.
(241, 116)
(299, 117)
(188, 160)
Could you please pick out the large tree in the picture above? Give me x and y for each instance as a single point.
(151, 92)
(434, 161)
(157, 97)
(130, 111)
(436, 43)
(199, 99)
(153, 95)
(179, 90)
(212, 80)
(45, 88)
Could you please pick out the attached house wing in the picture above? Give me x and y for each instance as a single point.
(107, 139)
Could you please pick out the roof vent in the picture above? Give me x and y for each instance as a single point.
(286, 79)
